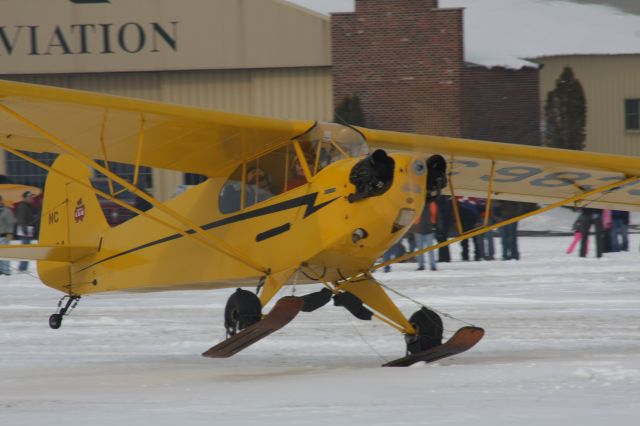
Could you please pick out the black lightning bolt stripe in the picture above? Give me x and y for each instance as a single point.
(270, 233)
(308, 200)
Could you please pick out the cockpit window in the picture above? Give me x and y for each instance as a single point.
(283, 169)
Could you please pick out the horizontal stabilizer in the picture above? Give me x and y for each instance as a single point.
(54, 253)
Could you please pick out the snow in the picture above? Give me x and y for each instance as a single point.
(508, 32)
(562, 346)
(505, 32)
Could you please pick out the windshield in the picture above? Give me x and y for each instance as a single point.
(327, 143)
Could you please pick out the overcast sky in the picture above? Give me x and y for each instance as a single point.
(504, 32)
(326, 6)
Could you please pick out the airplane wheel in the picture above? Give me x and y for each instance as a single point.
(243, 309)
(428, 327)
(55, 321)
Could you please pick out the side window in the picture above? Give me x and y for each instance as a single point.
(258, 180)
(231, 194)
(295, 176)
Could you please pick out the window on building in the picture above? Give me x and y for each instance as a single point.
(126, 172)
(115, 213)
(632, 114)
(25, 173)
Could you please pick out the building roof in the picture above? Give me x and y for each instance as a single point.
(507, 32)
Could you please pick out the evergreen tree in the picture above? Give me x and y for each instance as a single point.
(565, 113)
(350, 112)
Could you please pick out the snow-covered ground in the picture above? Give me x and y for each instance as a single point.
(562, 346)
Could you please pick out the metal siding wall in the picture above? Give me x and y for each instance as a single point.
(137, 85)
(227, 90)
(295, 93)
(607, 82)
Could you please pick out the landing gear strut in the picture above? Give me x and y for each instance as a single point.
(55, 320)
(428, 326)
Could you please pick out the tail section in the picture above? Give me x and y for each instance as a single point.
(71, 216)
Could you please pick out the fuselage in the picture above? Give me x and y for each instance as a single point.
(314, 228)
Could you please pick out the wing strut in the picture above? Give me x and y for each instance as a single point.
(198, 235)
(487, 215)
(484, 229)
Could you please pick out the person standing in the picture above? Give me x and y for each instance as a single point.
(25, 220)
(619, 230)
(393, 252)
(444, 223)
(577, 236)
(469, 220)
(424, 234)
(591, 217)
(504, 210)
(7, 222)
(489, 248)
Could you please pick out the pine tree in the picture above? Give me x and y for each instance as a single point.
(565, 113)
(350, 112)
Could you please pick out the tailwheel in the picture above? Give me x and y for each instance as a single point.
(55, 320)
(243, 309)
(428, 326)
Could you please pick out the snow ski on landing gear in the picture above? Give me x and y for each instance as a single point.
(464, 339)
(282, 313)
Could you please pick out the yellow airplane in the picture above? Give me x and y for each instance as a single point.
(286, 202)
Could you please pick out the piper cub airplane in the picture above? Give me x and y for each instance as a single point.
(286, 202)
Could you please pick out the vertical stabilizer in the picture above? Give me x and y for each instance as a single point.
(71, 216)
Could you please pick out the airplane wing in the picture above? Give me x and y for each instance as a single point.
(523, 173)
(101, 126)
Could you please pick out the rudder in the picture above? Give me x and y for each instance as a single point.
(71, 215)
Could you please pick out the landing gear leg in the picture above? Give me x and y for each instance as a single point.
(55, 320)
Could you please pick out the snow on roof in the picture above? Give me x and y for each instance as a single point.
(505, 32)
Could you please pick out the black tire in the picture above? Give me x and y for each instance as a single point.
(428, 326)
(243, 309)
(55, 321)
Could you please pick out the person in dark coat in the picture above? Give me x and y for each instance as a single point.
(619, 230)
(488, 246)
(394, 251)
(590, 217)
(444, 222)
(7, 222)
(503, 210)
(470, 219)
(25, 220)
(424, 233)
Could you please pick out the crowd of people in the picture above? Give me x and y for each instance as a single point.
(611, 231)
(437, 223)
